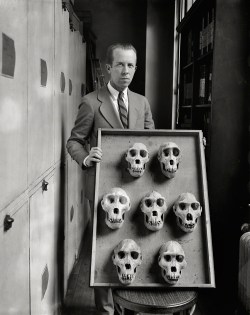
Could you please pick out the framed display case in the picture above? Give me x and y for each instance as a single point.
(190, 177)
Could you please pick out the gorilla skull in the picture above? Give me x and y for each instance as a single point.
(115, 204)
(171, 260)
(169, 156)
(137, 157)
(127, 257)
(153, 205)
(187, 210)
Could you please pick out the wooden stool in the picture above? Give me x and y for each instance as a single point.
(154, 301)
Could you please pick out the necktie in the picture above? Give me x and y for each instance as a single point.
(122, 110)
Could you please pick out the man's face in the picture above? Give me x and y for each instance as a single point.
(122, 69)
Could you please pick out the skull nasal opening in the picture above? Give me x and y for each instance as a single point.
(127, 266)
(116, 210)
(154, 213)
(173, 269)
(137, 161)
(171, 162)
(189, 217)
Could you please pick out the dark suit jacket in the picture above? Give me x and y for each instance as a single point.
(97, 111)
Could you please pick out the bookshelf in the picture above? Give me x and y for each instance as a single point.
(196, 42)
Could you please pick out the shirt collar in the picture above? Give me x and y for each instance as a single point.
(114, 93)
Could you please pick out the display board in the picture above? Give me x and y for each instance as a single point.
(190, 177)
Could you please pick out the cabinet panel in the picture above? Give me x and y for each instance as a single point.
(13, 100)
(14, 263)
(42, 250)
(61, 77)
(71, 217)
(40, 86)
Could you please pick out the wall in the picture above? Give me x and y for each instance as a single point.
(119, 21)
(159, 60)
(149, 26)
(41, 221)
(227, 174)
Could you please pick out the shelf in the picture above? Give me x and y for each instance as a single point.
(189, 65)
(186, 106)
(206, 55)
(202, 106)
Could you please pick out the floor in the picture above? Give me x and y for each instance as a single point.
(80, 297)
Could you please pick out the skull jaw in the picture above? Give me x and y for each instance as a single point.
(114, 224)
(125, 278)
(153, 225)
(136, 171)
(171, 278)
(169, 171)
(186, 227)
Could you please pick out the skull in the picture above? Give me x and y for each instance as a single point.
(187, 210)
(127, 257)
(153, 205)
(169, 158)
(171, 260)
(137, 157)
(115, 204)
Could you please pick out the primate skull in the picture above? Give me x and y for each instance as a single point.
(137, 157)
(127, 257)
(171, 260)
(169, 156)
(115, 203)
(187, 210)
(154, 206)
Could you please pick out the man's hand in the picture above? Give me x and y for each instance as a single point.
(95, 156)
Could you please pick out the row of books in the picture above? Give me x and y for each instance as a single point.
(205, 83)
(202, 94)
(206, 39)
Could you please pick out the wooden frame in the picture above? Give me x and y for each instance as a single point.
(191, 177)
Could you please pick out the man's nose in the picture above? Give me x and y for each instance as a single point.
(125, 69)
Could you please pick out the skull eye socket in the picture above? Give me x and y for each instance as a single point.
(160, 202)
(133, 152)
(167, 257)
(148, 202)
(134, 255)
(179, 258)
(195, 205)
(143, 153)
(121, 254)
(166, 152)
(111, 199)
(182, 205)
(176, 151)
(123, 200)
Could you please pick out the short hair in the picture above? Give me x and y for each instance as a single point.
(111, 48)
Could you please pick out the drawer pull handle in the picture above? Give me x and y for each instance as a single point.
(8, 220)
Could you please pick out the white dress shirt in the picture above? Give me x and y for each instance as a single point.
(114, 96)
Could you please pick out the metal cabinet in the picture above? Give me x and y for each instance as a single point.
(62, 84)
(40, 87)
(13, 100)
(43, 250)
(14, 260)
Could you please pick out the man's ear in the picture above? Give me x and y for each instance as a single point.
(108, 66)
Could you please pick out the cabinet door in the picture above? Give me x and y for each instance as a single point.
(71, 217)
(40, 87)
(14, 263)
(62, 85)
(13, 100)
(43, 250)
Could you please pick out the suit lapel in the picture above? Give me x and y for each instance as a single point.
(107, 108)
(133, 111)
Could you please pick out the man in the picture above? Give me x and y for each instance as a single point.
(113, 106)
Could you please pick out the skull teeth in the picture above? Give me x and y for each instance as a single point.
(127, 277)
(115, 220)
